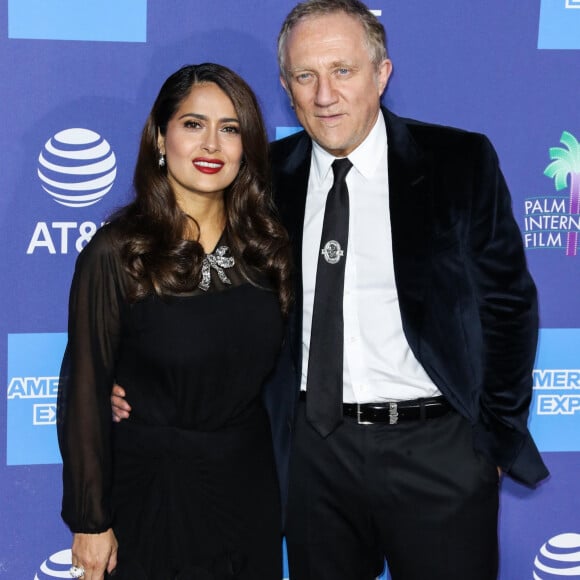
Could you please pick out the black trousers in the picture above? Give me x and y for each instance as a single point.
(414, 493)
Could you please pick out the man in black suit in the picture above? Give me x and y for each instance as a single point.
(438, 323)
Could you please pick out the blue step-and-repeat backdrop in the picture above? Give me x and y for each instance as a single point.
(77, 79)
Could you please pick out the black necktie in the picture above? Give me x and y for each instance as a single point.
(325, 359)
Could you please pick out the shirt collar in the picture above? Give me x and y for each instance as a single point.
(365, 158)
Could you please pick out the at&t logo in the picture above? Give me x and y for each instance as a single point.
(558, 558)
(55, 566)
(77, 167)
(54, 237)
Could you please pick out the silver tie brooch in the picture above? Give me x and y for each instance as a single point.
(332, 252)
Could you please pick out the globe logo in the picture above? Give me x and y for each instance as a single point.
(56, 566)
(77, 167)
(558, 558)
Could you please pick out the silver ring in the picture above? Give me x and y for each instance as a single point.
(76, 571)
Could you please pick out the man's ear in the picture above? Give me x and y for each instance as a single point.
(383, 74)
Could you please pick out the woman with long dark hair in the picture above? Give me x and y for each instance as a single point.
(180, 298)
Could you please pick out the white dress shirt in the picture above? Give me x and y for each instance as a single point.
(378, 363)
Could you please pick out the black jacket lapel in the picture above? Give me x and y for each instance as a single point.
(411, 223)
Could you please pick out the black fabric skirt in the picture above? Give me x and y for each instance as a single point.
(193, 505)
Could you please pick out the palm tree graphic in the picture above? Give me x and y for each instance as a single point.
(567, 162)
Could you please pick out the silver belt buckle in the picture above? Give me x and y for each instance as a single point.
(358, 414)
(393, 414)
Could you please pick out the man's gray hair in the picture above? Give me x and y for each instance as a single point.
(375, 35)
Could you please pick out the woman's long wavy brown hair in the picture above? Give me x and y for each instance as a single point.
(152, 227)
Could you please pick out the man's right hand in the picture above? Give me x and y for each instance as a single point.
(121, 409)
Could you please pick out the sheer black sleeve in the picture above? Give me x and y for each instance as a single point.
(87, 375)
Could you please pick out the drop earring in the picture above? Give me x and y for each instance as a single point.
(161, 160)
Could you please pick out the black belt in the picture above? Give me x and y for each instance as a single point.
(394, 412)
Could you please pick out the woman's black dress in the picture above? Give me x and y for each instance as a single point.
(188, 482)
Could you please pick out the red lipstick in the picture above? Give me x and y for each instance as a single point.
(207, 165)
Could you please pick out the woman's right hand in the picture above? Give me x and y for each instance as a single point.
(95, 553)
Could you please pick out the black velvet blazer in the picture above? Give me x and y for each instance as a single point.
(468, 303)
